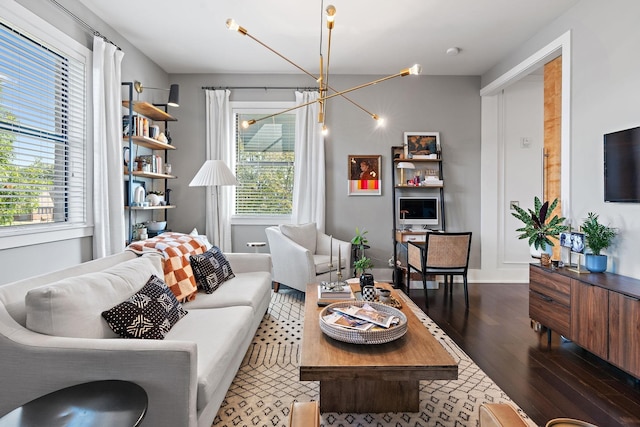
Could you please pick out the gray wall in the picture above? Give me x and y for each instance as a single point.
(605, 88)
(449, 105)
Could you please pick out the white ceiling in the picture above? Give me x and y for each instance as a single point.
(370, 36)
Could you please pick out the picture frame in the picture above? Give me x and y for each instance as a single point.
(422, 145)
(364, 175)
(134, 184)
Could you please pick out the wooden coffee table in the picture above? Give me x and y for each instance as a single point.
(371, 377)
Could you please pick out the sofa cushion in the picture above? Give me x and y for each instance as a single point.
(303, 234)
(211, 269)
(249, 289)
(219, 335)
(150, 313)
(71, 307)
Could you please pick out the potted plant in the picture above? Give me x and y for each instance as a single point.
(598, 237)
(539, 226)
(362, 263)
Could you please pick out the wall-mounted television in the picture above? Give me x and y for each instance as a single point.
(622, 166)
(420, 211)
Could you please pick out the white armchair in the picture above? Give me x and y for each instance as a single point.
(300, 255)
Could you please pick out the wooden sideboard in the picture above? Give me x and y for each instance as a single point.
(598, 311)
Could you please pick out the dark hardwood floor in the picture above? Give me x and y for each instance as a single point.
(561, 380)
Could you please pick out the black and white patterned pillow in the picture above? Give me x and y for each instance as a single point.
(211, 269)
(149, 313)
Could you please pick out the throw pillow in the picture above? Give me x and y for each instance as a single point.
(211, 269)
(149, 313)
(202, 238)
(304, 235)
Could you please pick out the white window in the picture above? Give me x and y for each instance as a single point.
(264, 157)
(43, 131)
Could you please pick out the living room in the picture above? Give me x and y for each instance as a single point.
(598, 41)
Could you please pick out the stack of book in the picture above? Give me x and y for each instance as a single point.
(329, 296)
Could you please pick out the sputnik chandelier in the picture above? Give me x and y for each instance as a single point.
(323, 77)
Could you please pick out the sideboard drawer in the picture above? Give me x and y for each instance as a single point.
(550, 313)
(555, 286)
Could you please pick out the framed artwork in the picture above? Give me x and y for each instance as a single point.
(574, 241)
(422, 145)
(364, 175)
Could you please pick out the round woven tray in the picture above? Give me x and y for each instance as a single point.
(379, 336)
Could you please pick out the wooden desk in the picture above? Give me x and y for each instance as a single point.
(371, 378)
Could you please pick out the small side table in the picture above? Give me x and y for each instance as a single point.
(97, 403)
(256, 245)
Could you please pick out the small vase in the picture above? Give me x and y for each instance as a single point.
(366, 279)
(595, 263)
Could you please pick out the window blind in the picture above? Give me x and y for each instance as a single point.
(42, 133)
(265, 164)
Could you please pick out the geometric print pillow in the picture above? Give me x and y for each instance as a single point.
(149, 313)
(211, 269)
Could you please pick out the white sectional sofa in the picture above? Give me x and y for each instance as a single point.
(186, 375)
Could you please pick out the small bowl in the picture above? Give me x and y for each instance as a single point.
(157, 225)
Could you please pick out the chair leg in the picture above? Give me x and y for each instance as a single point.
(276, 287)
(408, 281)
(466, 291)
(426, 296)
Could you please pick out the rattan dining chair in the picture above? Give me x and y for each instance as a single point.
(445, 254)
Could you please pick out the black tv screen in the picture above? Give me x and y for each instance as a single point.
(622, 166)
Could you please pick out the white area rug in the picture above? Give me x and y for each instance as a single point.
(268, 382)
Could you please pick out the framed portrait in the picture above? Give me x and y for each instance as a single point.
(364, 175)
(574, 241)
(422, 145)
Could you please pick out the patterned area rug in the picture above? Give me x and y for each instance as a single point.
(267, 381)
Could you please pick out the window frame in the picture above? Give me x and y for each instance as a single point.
(16, 16)
(258, 107)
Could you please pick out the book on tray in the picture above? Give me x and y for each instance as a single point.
(326, 298)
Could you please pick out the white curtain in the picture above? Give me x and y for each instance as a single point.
(219, 132)
(108, 194)
(309, 175)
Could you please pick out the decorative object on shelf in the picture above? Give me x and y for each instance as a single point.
(174, 92)
(139, 193)
(364, 175)
(323, 75)
(155, 198)
(156, 226)
(539, 227)
(422, 145)
(214, 173)
(402, 166)
(598, 237)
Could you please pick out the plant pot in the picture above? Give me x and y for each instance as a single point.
(595, 263)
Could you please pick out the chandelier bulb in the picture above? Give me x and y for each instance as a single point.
(233, 26)
(325, 130)
(330, 11)
(415, 70)
(245, 124)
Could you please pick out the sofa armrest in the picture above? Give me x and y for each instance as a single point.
(248, 262)
(36, 364)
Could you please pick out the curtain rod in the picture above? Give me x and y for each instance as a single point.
(86, 26)
(258, 87)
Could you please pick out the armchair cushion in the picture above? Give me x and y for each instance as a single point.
(304, 235)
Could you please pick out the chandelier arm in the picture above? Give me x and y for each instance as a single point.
(305, 71)
(333, 95)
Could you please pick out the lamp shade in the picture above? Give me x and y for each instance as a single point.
(213, 173)
(174, 96)
(406, 165)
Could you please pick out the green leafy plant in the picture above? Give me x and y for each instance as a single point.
(598, 236)
(538, 226)
(360, 239)
(363, 264)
